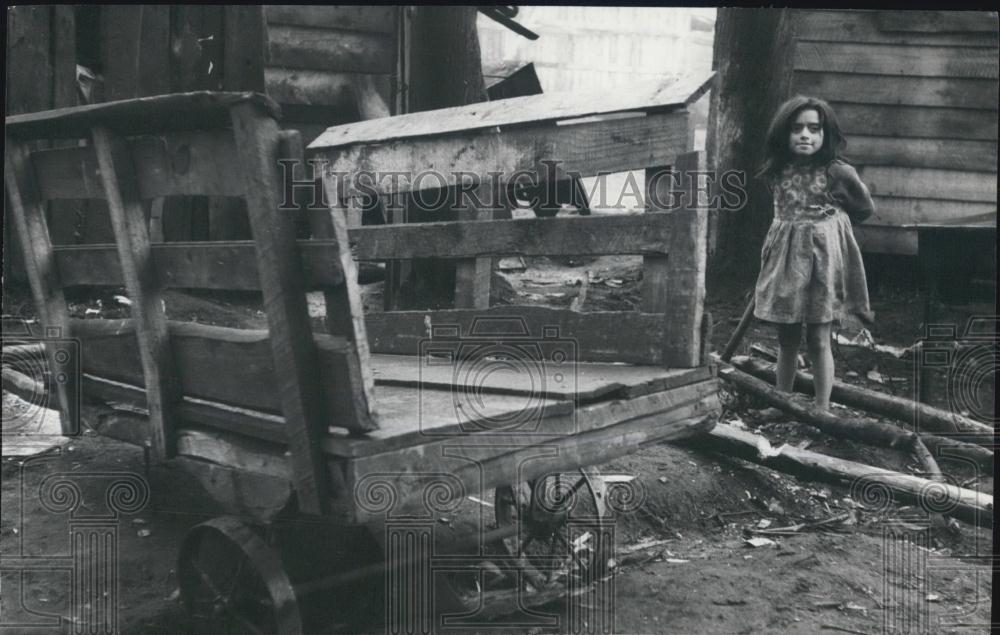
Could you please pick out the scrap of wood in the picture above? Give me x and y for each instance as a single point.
(971, 506)
(928, 418)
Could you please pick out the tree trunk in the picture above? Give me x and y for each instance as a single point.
(753, 58)
(445, 71)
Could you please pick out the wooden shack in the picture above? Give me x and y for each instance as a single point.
(324, 65)
(915, 92)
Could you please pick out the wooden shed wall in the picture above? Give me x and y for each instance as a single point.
(916, 95)
(316, 55)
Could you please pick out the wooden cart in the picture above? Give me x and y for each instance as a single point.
(336, 450)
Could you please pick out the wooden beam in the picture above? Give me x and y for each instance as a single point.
(945, 154)
(295, 360)
(892, 120)
(938, 21)
(367, 19)
(344, 309)
(930, 183)
(611, 234)
(132, 239)
(863, 26)
(611, 336)
(685, 278)
(904, 211)
(655, 267)
(948, 92)
(895, 60)
(533, 109)
(586, 148)
(28, 213)
(244, 49)
(195, 265)
(474, 276)
(333, 51)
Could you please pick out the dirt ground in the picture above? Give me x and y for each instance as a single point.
(882, 567)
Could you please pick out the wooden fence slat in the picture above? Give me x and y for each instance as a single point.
(295, 359)
(132, 239)
(930, 183)
(344, 309)
(902, 211)
(474, 276)
(938, 21)
(685, 279)
(28, 213)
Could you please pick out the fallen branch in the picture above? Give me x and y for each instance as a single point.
(927, 418)
(871, 486)
(865, 430)
(927, 460)
(25, 387)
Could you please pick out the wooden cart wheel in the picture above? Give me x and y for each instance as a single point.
(231, 581)
(558, 516)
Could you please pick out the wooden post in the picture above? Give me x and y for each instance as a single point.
(685, 271)
(474, 275)
(344, 310)
(128, 219)
(28, 212)
(295, 358)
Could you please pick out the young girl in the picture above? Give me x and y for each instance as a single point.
(811, 269)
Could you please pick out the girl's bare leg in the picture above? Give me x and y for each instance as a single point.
(821, 358)
(789, 337)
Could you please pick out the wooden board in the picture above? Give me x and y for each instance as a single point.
(931, 183)
(372, 18)
(568, 236)
(597, 337)
(863, 26)
(310, 88)
(475, 468)
(893, 120)
(421, 421)
(584, 149)
(911, 91)
(181, 111)
(328, 50)
(181, 163)
(685, 271)
(580, 382)
(938, 21)
(295, 360)
(28, 213)
(121, 188)
(947, 154)
(517, 110)
(231, 366)
(892, 59)
(902, 211)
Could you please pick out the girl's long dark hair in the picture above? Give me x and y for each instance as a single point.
(776, 152)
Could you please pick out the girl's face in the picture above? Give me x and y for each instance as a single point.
(806, 137)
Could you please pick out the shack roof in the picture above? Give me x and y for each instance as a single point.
(518, 110)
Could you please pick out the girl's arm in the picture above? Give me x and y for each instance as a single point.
(847, 189)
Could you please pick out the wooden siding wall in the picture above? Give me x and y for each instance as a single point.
(916, 95)
(316, 55)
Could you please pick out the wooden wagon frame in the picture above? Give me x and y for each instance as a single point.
(384, 420)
